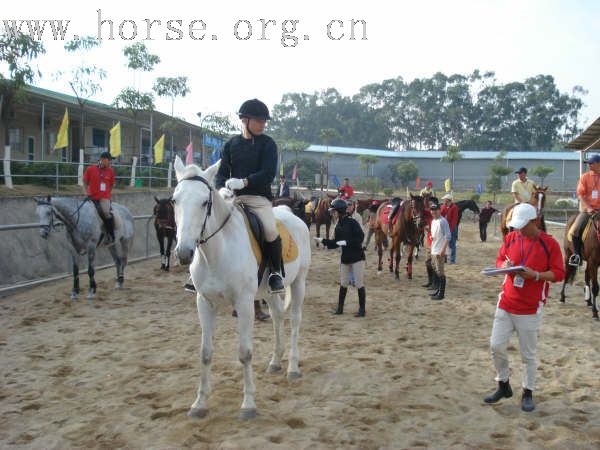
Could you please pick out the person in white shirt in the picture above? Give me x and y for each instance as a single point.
(440, 239)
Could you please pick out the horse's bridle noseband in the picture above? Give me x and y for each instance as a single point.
(208, 209)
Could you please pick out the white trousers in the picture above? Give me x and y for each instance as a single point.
(527, 327)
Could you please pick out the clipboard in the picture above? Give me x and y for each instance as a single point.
(491, 271)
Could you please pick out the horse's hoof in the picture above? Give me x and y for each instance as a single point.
(379, 271)
(197, 413)
(291, 376)
(91, 295)
(119, 285)
(273, 368)
(409, 276)
(166, 269)
(247, 414)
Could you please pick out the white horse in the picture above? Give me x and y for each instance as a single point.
(212, 235)
(83, 233)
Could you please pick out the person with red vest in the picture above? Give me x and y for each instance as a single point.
(449, 210)
(98, 181)
(346, 189)
(522, 299)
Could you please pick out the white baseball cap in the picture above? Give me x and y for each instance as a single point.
(447, 196)
(522, 214)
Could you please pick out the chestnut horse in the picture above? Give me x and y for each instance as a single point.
(411, 216)
(538, 199)
(590, 254)
(297, 204)
(322, 216)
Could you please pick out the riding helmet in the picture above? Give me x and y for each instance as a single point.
(339, 205)
(254, 109)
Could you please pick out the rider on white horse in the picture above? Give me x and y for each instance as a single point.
(248, 166)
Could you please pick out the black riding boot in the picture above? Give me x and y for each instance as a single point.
(362, 300)
(439, 295)
(575, 259)
(109, 225)
(274, 254)
(527, 404)
(341, 299)
(435, 282)
(503, 391)
(429, 275)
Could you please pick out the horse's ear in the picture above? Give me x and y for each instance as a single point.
(179, 168)
(156, 199)
(210, 173)
(545, 189)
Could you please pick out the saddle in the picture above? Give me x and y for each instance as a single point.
(586, 229)
(289, 249)
(384, 215)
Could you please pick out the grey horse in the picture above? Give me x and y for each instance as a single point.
(84, 232)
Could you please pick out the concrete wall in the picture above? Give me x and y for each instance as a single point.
(26, 256)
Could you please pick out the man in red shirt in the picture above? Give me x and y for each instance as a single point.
(347, 189)
(522, 299)
(98, 182)
(450, 211)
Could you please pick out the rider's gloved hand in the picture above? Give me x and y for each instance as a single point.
(318, 239)
(226, 193)
(341, 243)
(235, 184)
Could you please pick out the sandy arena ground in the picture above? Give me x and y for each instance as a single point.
(121, 372)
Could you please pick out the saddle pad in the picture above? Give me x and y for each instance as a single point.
(289, 249)
(384, 215)
(583, 235)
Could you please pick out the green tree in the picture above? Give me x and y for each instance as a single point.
(407, 172)
(84, 80)
(542, 172)
(133, 102)
(17, 52)
(307, 168)
(139, 58)
(494, 183)
(172, 88)
(453, 154)
(366, 162)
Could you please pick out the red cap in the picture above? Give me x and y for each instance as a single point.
(429, 183)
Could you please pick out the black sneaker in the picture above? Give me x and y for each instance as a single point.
(527, 404)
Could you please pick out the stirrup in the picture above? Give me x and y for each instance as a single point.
(189, 287)
(575, 260)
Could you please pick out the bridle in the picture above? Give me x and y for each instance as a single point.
(59, 217)
(203, 240)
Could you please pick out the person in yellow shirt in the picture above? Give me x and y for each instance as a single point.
(522, 189)
(588, 192)
(427, 191)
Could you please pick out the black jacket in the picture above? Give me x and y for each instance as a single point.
(254, 159)
(348, 229)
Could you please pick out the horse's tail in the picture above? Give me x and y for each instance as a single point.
(288, 298)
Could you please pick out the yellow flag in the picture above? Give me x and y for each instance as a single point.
(62, 139)
(447, 184)
(115, 140)
(159, 149)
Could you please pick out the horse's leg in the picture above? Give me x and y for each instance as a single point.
(588, 284)
(392, 248)
(123, 259)
(245, 311)
(75, 265)
(276, 310)
(594, 283)
(298, 290)
(91, 253)
(409, 259)
(118, 264)
(161, 243)
(398, 257)
(318, 228)
(327, 227)
(207, 314)
(168, 251)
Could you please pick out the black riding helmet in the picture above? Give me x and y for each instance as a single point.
(254, 109)
(339, 205)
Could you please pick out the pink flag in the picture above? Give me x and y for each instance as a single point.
(295, 171)
(418, 183)
(189, 155)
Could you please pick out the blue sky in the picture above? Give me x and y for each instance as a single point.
(516, 39)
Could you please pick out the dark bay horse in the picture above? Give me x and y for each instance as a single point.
(464, 205)
(322, 216)
(164, 224)
(590, 254)
(538, 200)
(411, 216)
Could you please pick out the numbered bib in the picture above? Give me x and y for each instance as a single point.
(595, 194)
(102, 187)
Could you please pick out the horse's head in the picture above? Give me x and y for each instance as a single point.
(193, 199)
(538, 199)
(45, 214)
(164, 212)
(417, 204)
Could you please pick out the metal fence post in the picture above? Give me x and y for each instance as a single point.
(150, 176)
(169, 173)
(133, 165)
(56, 177)
(7, 176)
(80, 168)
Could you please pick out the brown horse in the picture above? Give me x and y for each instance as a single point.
(538, 200)
(322, 216)
(164, 224)
(590, 254)
(297, 204)
(411, 215)
(380, 232)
